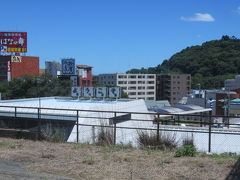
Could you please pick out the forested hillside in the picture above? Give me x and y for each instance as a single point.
(209, 64)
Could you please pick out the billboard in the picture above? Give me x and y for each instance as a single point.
(76, 91)
(13, 42)
(68, 66)
(101, 92)
(88, 92)
(74, 80)
(98, 92)
(114, 92)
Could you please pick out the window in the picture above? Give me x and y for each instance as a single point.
(122, 76)
(150, 87)
(141, 76)
(141, 87)
(132, 82)
(132, 77)
(132, 93)
(150, 93)
(150, 82)
(150, 76)
(122, 82)
(141, 93)
(132, 88)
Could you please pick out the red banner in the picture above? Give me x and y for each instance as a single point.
(13, 42)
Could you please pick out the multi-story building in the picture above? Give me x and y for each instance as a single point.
(53, 68)
(107, 79)
(17, 66)
(172, 87)
(85, 77)
(231, 84)
(137, 86)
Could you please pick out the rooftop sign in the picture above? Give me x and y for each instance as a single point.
(13, 42)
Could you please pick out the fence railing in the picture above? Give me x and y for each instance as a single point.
(205, 127)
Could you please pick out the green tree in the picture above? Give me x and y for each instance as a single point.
(35, 86)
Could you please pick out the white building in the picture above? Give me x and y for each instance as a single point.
(137, 86)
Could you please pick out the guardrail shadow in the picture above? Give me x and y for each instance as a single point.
(234, 174)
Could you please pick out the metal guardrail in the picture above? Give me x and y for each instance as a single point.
(205, 123)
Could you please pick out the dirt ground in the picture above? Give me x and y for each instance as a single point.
(89, 162)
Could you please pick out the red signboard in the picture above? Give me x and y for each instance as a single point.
(13, 42)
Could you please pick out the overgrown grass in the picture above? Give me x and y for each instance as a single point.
(57, 136)
(187, 150)
(152, 141)
(188, 141)
(80, 145)
(7, 144)
(116, 148)
(105, 137)
(88, 160)
(224, 156)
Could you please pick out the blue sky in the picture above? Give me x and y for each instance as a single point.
(118, 35)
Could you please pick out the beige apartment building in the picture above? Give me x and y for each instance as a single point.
(138, 86)
(171, 87)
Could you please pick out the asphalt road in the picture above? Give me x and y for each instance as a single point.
(14, 171)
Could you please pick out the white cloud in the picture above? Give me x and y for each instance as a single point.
(199, 17)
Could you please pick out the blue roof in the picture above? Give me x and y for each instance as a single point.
(185, 108)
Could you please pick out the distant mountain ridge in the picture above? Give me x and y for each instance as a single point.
(209, 64)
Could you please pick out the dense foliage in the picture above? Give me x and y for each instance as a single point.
(34, 86)
(209, 64)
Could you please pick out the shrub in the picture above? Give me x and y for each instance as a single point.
(187, 150)
(57, 136)
(188, 141)
(150, 140)
(105, 137)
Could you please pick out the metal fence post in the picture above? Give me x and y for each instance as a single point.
(77, 127)
(39, 124)
(178, 117)
(210, 131)
(114, 129)
(201, 118)
(15, 111)
(158, 133)
(93, 135)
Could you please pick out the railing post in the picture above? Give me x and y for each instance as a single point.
(114, 129)
(228, 121)
(39, 124)
(158, 133)
(210, 131)
(77, 127)
(201, 118)
(15, 111)
(178, 117)
(93, 134)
